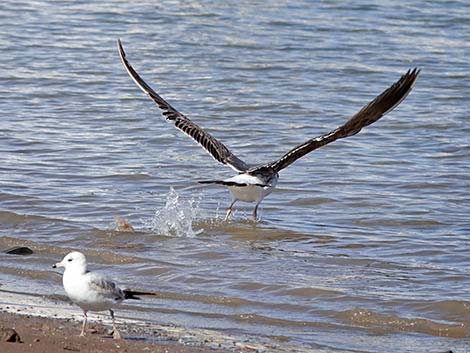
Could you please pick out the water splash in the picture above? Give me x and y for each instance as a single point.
(177, 217)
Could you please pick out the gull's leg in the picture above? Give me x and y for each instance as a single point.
(84, 323)
(229, 210)
(116, 334)
(255, 212)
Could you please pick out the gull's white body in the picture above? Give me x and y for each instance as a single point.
(91, 291)
(79, 288)
(252, 192)
(249, 188)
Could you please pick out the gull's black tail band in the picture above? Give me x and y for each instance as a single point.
(131, 294)
(228, 183)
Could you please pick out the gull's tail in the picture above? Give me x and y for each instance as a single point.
(222, 182)
(131, 294)
(229, 183)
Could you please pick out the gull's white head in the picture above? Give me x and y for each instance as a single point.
(74, 261)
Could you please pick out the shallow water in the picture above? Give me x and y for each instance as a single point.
(364, 244)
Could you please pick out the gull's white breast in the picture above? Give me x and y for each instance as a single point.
(82, 293)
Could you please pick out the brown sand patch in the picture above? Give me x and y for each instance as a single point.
(46, 335)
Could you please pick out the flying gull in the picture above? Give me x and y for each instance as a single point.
(92, 291)
(254, 183)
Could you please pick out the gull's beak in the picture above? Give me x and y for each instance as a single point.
(58, 264)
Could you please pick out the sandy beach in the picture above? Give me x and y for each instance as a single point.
(39, 334)
(51, 321)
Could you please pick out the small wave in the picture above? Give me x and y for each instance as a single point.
(177, 217)
(12, 217)
(382, 323)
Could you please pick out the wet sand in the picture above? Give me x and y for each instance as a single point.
(48, 335)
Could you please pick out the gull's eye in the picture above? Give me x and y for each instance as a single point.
(69, 260)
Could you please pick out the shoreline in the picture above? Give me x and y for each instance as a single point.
(46, 322)
(54, 335)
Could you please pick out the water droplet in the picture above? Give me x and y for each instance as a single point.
(177, 217)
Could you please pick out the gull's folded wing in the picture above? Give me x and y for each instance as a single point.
(104, 286)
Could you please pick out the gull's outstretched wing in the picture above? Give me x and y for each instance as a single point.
(369, 114)
(214, 147)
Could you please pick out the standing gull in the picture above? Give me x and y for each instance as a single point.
(92, 291)
(254, 183)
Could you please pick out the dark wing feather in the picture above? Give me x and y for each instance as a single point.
(214, 147)
(369, 114)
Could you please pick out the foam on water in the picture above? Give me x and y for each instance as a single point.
(177, 217)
